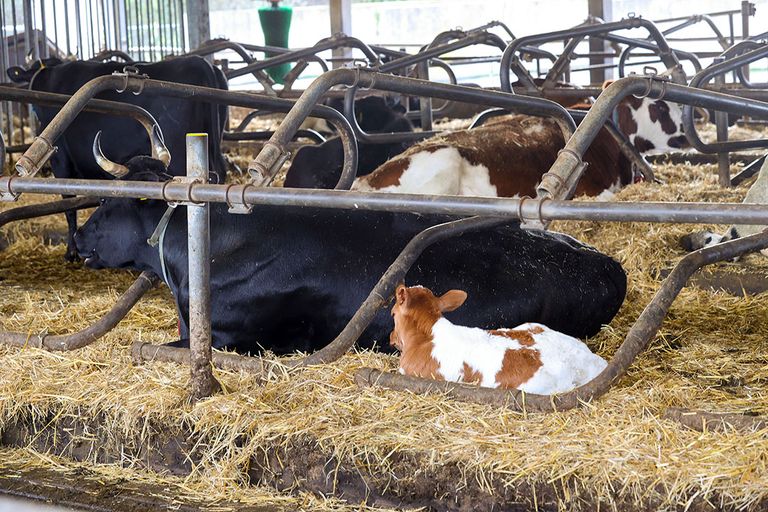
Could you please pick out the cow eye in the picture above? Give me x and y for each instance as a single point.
(102, 201)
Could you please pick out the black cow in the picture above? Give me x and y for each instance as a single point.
(288, 278)
(320, 166)
(127, 138)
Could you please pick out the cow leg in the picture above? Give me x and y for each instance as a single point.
(71, 254)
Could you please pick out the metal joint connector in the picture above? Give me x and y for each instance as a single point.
(6, 194)
(189, 182)
(25, 166)
(131, 72)
(236, 199)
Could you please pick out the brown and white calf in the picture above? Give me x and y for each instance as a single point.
(531, 357)
(505, 157)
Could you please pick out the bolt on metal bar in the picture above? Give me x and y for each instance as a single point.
(203, 383)
(636, 341)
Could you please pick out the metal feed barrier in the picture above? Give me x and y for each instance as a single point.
(492, 211)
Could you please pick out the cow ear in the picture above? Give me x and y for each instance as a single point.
(451, 300)
(16, 74)
(401, 295)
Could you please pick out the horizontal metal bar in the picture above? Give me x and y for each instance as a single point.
(546, 209)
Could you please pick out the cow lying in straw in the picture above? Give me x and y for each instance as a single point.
(757, 194)
(531, 357)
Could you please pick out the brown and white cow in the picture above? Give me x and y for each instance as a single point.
(531, 357)
(505, 157)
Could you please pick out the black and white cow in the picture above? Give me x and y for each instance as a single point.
(175, 117)
(288, 278)
(320, 166)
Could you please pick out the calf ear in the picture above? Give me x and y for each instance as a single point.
(451, 300)
(401, 295)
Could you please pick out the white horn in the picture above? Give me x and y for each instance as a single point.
(116, 170)
(159, 150)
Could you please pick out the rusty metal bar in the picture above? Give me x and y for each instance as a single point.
(51, 99)
(510, 61)
(203, 384)
(42, 147)
(637, 340)
(64, 342)
(511, 208)
(264, 166)
(41, 210)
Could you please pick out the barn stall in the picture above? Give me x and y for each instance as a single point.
(289, 436)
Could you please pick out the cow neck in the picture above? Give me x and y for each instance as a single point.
(157, 239)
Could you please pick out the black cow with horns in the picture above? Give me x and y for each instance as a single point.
(127, 138)
(290, 278)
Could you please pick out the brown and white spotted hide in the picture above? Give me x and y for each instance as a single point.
(505, 157)
(652, 126)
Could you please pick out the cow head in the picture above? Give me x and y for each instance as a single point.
(115, 236)
(21, 75)
(416, 310)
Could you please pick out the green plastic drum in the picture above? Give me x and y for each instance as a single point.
(275, 22)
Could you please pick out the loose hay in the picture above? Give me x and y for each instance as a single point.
(616, 452)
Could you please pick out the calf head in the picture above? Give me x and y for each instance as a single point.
(416, 310)
(115, 235)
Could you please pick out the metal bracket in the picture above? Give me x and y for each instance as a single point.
(190, 182)
(131, 72)
(25, 166)
(6, 194)
(238, 205)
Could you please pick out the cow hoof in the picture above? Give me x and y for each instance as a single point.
(71, 256)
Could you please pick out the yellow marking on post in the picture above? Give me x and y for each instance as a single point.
(197, 135)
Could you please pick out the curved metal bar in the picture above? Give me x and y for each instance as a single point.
(636, 341)
(625, 54)
(213, 46)
(511, 63)
(312, 135)
(261, 166)
(469, 39)
(377, 299)
(51, 99)
(43, 209)
(740, 48)
(108, 54)
(374, 138)
(42, 146)
(561, 180)
(64, 342)
(336, 41)
(699, 81)
(203, 49)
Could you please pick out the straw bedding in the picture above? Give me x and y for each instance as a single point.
(616, 453)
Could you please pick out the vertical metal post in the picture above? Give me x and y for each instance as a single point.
(602, 9)
(721, 124)
(747, 10)
(341, 22)
(203, 383)
(425, 103)
(198, 14)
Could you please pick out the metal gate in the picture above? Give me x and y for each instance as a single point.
(144, 30)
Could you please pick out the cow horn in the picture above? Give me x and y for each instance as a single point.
(116, 170)
(159, 150)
